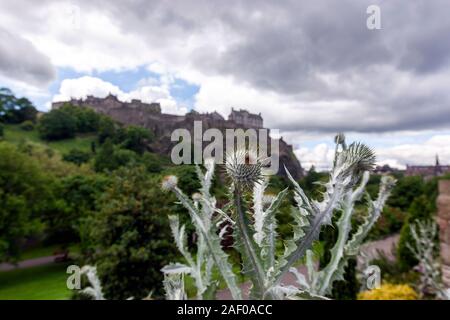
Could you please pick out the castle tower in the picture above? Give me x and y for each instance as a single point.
(437, 167)
(246, 119)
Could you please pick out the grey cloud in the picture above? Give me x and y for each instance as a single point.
(287, 47)
(20, 60)
(294, 43)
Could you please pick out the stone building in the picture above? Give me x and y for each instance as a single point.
(428, 171)
(246, 119)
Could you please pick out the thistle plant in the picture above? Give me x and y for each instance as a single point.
(254, 224)
(424, 250)
(206, 218)
(95, 290)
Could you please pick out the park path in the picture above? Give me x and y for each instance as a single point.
(370, 249)
(30, 263)
(385, 246)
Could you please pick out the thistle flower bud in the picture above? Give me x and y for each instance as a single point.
(387, 184)
(196, 196)
(244, 168)
(169, 183)
(357, 159)
(339, 138)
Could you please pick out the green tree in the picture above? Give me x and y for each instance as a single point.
(15, 110)
(106, 130)
(23, 195)
(57, 124)
(136, 139)
(111, 157)
(406, 190)
(104, 159)
(80, 194)
(131, 235)
(86, 119)
(152, 162)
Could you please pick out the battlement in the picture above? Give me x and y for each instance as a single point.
(246, 119)
(109, 102)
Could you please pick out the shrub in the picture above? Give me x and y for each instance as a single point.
(77, 156)
(136, 139)
(391, 271)
(406, 190)
(390, 292)
(57, 124)
(111, 157)
(2, 130)
(153, 162)
(106, 129)
(86, 119)
(27, 125)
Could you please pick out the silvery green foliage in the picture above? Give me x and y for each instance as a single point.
(95, 290)
(255, 226)
(174, 281)
(424, 250)
(209, 251)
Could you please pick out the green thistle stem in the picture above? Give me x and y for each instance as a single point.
(248, 243)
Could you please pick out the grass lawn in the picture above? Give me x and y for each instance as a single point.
(14, 134)
(38, 283)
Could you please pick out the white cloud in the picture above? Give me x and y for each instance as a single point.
(86, 85)
(418, 153)
(309, 68)
(397, 156)
(291, 62)
(321, 157)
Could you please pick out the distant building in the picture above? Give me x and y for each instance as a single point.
(428, 171)
(246, 119)
(384, 170)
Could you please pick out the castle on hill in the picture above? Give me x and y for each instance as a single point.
(110, 103)
(150, 116)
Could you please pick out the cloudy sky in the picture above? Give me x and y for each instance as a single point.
(312, 68)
